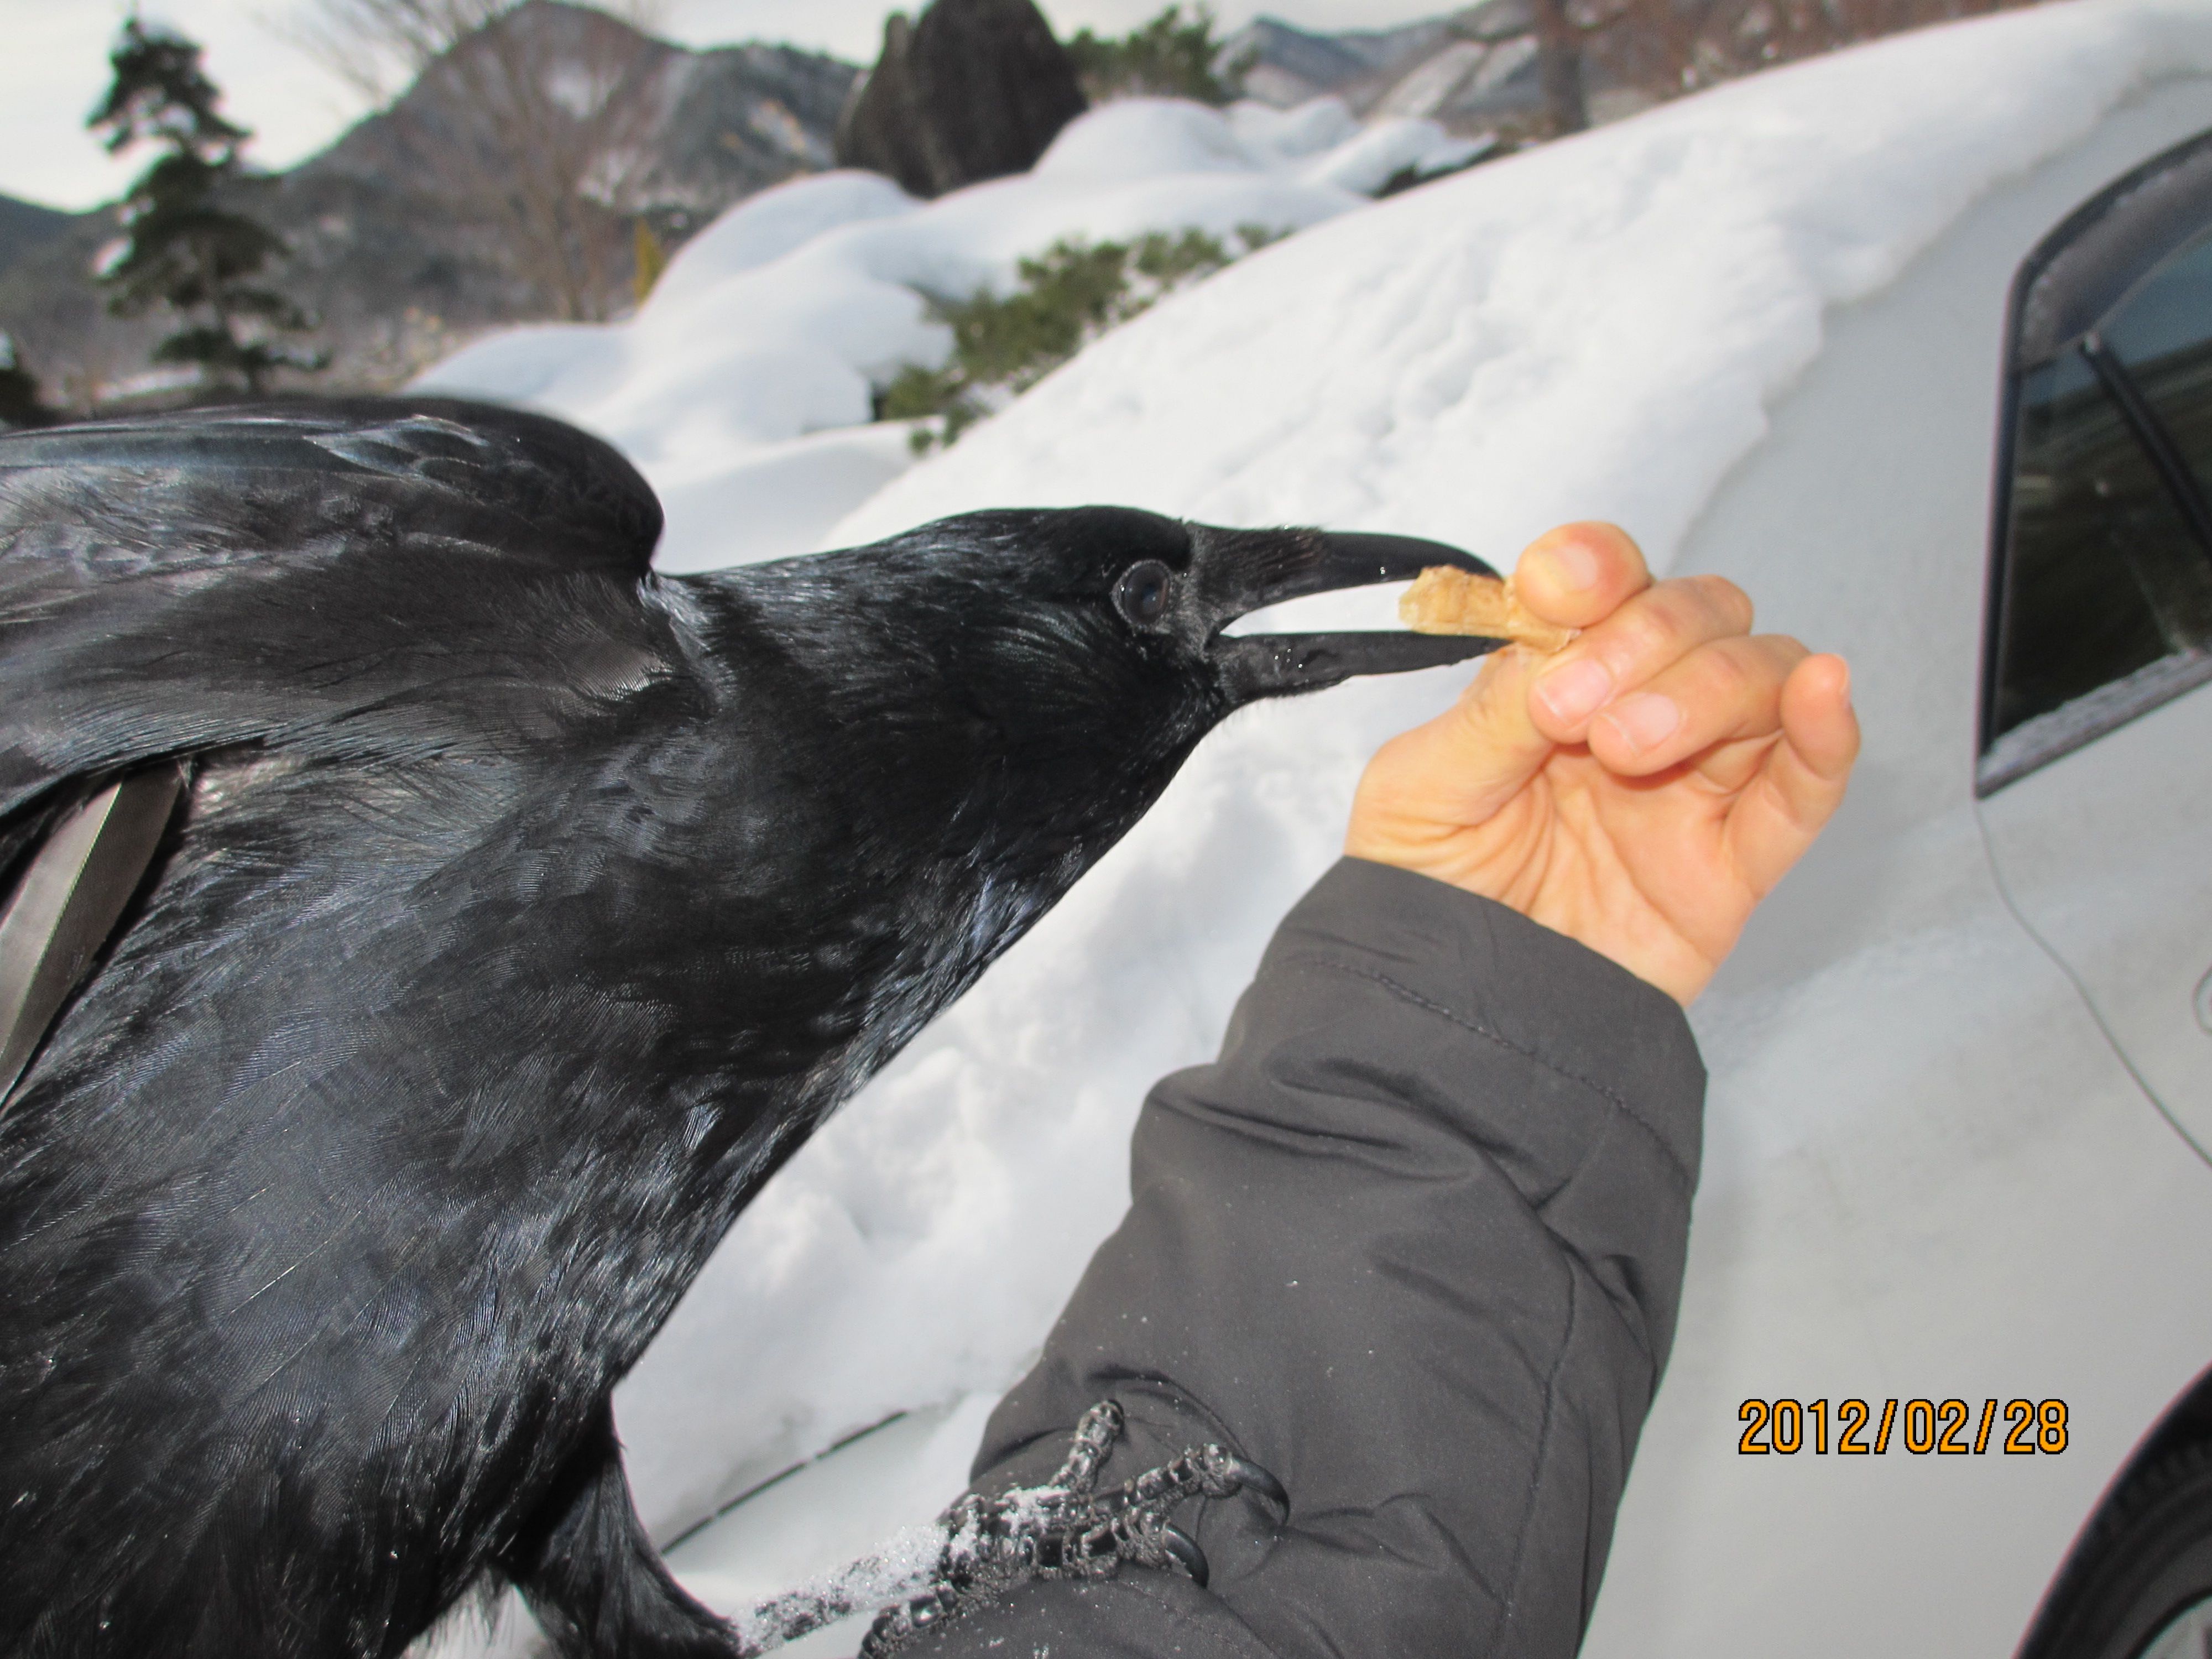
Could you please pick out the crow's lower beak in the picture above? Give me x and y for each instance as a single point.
(1251, 570)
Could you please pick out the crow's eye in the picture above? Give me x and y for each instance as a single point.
(1142, 592)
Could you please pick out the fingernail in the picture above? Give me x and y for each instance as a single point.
(1574, 691)
(1645, 720)
(1576, 565)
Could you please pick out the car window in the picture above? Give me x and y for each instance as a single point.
(2101, 586)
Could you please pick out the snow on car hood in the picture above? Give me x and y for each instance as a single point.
(1593, 329)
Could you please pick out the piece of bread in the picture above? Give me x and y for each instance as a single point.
(1447, 600)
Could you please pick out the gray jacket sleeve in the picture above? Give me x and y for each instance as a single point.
(1414, 1243)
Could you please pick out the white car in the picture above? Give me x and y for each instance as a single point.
(1940, 1384)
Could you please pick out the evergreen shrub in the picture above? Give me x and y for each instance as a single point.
(1067, 296)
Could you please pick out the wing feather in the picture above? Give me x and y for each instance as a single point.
(176, 582)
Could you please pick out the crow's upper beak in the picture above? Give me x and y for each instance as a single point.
(1243, 571)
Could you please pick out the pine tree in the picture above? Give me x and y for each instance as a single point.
(185, 250)
(1169, 57)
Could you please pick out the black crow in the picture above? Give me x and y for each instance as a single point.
(522, 910)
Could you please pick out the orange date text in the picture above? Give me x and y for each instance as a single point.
(1859, 1428)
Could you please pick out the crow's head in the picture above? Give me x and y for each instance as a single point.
(1031, 680)
(1148, 600)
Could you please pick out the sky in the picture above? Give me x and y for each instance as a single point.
(56, 66)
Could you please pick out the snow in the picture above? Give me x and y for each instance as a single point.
(739, 386)
(1307, 130)
(1594, 329)
(1368, 163)
(774, 223)
(1142, 138)
(896, 1477)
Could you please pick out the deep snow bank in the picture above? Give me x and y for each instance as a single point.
(742, 388)
(1593, 329)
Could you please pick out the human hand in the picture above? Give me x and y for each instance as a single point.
(1642, 789)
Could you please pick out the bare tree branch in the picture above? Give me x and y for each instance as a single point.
(1671, 47)
(379, 47)
(549, 109)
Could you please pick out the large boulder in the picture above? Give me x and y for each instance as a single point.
(974, 89)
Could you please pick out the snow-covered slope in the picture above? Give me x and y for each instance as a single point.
(742, 388)
(1593, 329)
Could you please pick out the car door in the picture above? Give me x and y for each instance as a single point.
(2094, 777)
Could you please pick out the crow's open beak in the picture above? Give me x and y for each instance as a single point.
(1244, 571)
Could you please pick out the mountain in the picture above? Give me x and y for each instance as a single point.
(1283, 65)
(1473, 70)
(24, 226)
(708, 127)
(426, 223)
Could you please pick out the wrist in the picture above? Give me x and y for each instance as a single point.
(1640, 943)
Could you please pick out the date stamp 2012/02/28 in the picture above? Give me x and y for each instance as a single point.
(1948, 1427)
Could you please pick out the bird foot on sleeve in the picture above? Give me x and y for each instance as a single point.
(1067, 1528)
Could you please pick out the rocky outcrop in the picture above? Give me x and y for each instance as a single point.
(975, 89)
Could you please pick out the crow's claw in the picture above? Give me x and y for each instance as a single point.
(1069, 1529)
(1183, 1549)
(1253, 1479)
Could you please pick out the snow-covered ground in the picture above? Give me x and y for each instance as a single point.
(1594, 329)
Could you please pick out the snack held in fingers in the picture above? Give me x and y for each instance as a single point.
(1445, 600)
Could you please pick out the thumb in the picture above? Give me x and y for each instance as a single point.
(1462, 767)
(1481, 751)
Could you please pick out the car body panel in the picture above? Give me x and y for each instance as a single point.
(2106, 853)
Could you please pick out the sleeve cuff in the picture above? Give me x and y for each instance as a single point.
(1513, 981)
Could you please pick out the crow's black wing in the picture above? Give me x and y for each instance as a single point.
(324, 575)
(376, 1146)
